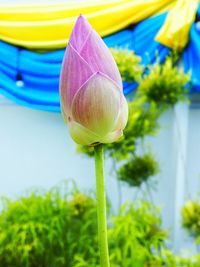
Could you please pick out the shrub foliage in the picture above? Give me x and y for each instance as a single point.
(55, 229)
(191, 218)
(59, 229)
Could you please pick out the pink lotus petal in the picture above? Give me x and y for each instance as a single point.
(123, 115)
(80, 33)
(98, 56)
(96, 105)
(111, 137)
(91, 96)
(81, 135)
(74, 73)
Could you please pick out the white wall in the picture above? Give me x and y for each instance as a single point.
(36, 151)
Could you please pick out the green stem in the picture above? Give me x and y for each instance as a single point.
(101, 206)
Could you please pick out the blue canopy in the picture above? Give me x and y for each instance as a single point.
(31, 78)
(144, 44)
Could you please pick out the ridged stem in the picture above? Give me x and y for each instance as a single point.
(101, 206)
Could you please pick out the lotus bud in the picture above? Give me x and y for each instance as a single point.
(91, 94)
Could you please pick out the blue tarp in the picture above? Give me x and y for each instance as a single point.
(39, 73)
(144, 44)
(31, 79)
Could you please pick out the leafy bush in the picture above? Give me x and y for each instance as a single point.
(47, 230)
(167, 259)
(58, 229)
(128, 64)
(138, 169)
(191, 219)
(55, 229)
(165, 84)
(136, 236)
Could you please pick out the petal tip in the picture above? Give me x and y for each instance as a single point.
(81, 16)
(80, 31)
(81, 19)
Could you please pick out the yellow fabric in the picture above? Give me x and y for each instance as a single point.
(49, 26)
(175, 31)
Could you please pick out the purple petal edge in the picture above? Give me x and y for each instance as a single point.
(74, 73)
(80, 33)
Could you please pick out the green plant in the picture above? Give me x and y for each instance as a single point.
(128, 64)
(43, 229)
(138, 169)
(58, 229)
(167, 259)
(136, 236)
(191, 218)
(165, 84)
